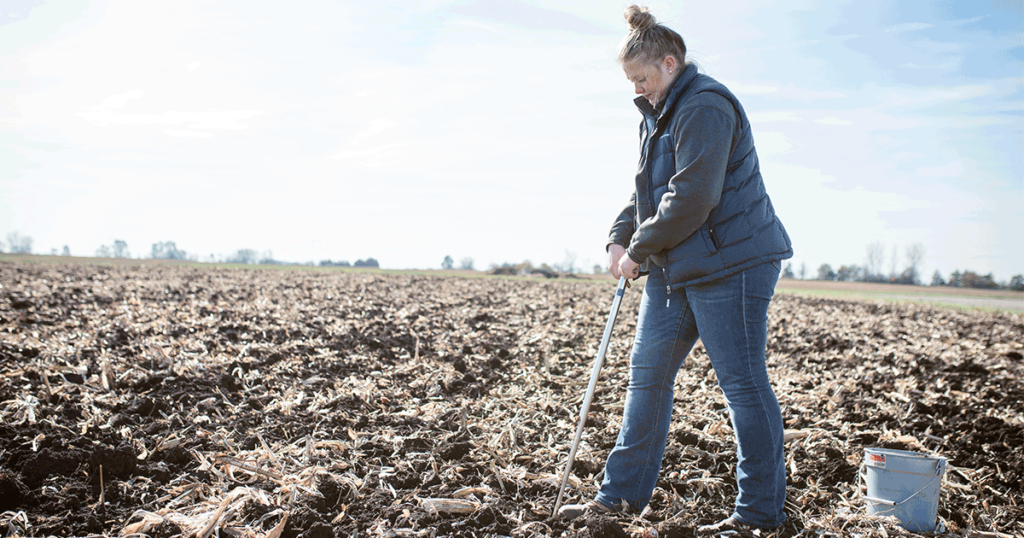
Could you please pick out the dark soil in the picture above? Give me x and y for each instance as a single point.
(144, 398)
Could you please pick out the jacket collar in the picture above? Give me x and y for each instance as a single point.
(677, 88)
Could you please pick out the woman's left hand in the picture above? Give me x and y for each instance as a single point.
(628, 268)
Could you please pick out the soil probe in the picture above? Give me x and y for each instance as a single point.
(590, 390)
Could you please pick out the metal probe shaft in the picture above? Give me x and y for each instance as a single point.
(590, 390)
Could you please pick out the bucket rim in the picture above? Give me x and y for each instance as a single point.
(903, 453)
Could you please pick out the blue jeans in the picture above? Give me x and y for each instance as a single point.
(730, 316)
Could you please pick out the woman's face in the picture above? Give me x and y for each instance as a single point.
(651, 80)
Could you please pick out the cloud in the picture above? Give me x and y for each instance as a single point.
(904, 156)
(217, 119)
(908, 27)
(928, 96)
(953, 169)
(377, 126)
(524, 15)
(972, 20)
(188, 134)
(192, 66)
(376, 157)
(773, 116)
(772, 143)
(752, 89)
(797, 93)
(943, 66)
(833, 121)
(119, 100)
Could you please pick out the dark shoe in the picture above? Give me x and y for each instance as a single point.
(727, 525)
(573, 511)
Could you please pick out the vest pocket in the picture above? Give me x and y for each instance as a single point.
(714, 239)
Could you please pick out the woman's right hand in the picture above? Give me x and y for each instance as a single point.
(615, 253)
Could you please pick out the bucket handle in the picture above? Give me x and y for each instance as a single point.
(864, 471)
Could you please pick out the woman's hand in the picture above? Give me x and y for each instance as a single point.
(620, 264)
(628, 268)
(615, 253)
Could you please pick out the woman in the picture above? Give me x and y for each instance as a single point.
(701, 225)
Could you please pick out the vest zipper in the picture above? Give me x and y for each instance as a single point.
(652, 130)
(714, 238)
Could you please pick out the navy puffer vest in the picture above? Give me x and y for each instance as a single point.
(742, 230)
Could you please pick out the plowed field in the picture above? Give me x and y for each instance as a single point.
(172, 400)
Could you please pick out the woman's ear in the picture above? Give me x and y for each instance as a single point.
(670, 63)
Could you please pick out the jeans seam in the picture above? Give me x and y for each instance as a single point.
(647, 455)
(760, 395)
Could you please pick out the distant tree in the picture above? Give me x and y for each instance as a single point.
(120, 249)
(448, 263)
(970, 279)
(103, 252)
(19, 244)
(875, 257)
(598, 269)
(937, 279)
(513, 269)
(368, 262)
(876, 277)
(1017, 283)
(825, 272)
(466, 264)
(848, 273)
(803, 270)
(915, 255)
(787, 271)
(907, 277)
(329, 263)
(987, 281)
(892, 266)
(167, 250)
(246, 256)
(66, 252)
(568, 265)
(956, 279)
(267, 258)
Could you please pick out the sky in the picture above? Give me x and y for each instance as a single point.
(500, 130)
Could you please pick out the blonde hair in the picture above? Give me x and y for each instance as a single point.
(649, 41)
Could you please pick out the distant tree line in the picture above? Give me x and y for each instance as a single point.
(465, 264)
(168, 250)
(117, 250)
(872, 271)
(526, 269)
(17, 243)
(970, 279)
(368, 262)
(568, 266)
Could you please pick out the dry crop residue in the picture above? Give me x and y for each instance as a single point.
(264, 402)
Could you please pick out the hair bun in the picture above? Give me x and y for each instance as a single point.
(639, 18)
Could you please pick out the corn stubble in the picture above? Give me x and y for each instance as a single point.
(270, 403)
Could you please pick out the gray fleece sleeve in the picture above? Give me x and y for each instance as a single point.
(624, 225)
(703, 135)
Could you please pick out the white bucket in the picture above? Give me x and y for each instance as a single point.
(905, 485)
